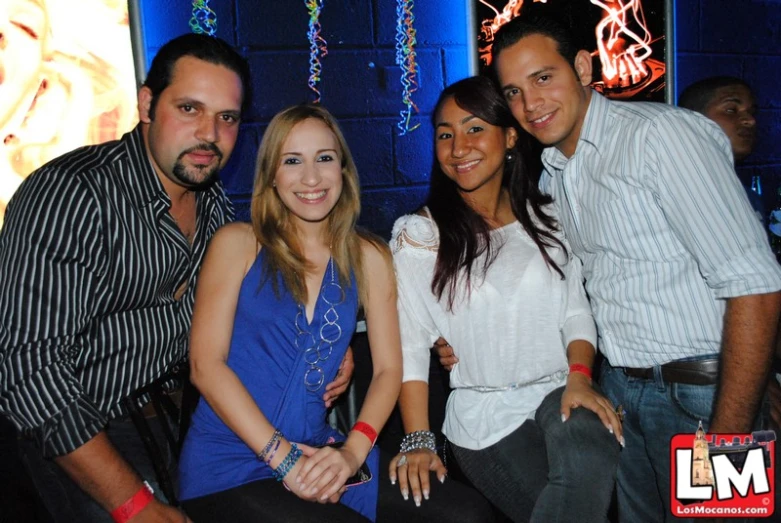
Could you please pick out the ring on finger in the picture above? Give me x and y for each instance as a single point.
(402, 461)
(620, 412)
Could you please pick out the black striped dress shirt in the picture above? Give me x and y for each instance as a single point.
(90, 261)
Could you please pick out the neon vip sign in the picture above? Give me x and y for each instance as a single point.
(623, 40)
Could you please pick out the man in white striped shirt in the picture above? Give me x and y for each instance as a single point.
(682, 282)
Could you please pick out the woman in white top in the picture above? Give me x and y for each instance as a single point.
(484, 267)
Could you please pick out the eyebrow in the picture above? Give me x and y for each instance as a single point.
(199, 104)
(545, 69)
(463, 121)
(319, 151)
(535, 74)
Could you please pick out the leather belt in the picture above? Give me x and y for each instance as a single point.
(149, 411)
(693, 372)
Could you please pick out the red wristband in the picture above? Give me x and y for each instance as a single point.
(134, 505)
(579, 367)
(367, 430)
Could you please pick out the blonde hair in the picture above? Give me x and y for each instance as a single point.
(271, 220)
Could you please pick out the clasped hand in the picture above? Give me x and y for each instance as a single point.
(320, 473)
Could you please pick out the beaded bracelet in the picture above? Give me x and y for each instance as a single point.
(273, 453)
(263, 454)
(288, 463)
(421, 439)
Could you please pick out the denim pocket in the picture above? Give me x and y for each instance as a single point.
(694, 401)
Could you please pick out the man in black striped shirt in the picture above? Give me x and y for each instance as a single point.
(98, 260)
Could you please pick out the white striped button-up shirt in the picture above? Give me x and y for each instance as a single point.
(90, 264)
(651, 205)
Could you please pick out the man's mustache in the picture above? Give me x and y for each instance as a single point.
(208, 147)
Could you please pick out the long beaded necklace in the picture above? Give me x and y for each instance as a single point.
(317, 351)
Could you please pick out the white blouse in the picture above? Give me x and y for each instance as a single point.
(510, 332)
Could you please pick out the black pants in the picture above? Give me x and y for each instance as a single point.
(269, 501)
(548, 470)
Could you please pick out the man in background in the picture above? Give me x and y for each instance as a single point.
(730, 103)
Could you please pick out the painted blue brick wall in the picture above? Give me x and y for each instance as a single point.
(739, 38)
(361, 81)
(360, 84)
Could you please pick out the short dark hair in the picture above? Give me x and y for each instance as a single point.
(700, 94)
(536, 24)
(207, 48)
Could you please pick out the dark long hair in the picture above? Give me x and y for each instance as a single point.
(464, 235)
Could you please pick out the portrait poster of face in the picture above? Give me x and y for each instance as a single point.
(627, 40)
(67, 79)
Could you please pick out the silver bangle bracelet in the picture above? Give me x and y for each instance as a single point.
(421, 439)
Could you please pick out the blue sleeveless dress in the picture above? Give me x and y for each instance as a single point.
(268, 361)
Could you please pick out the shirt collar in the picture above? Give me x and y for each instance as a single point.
(592, 132)
(144, 186)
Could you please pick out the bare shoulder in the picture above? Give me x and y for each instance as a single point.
(377, 269)
(375, 251)
(235, 241)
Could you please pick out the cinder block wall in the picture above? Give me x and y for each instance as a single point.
(360, 84)
(361, 81)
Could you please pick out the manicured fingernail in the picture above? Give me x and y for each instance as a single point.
(393, 481)
(442, 479)
(417, 501)
(610, 428)
(622, 441)
(563, 418)
(425, 495)
(405, 494)
(323, 497)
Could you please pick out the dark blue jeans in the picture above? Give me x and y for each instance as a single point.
(547, 471)
(655, 412)
(64, 500)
